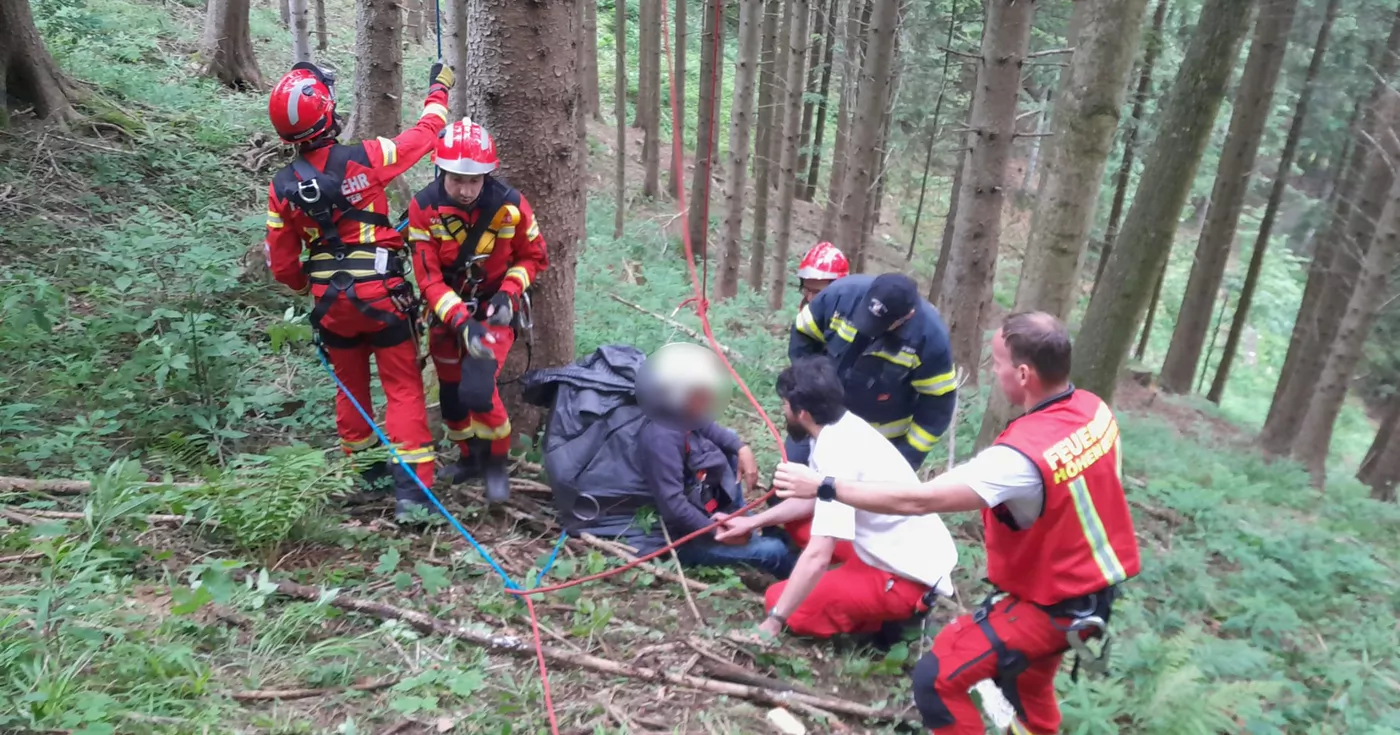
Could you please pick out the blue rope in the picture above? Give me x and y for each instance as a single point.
(554, 555)
(321, 353)
(438, 4)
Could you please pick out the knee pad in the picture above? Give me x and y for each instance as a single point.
(451, 404)
(926, 699)
(478, 384)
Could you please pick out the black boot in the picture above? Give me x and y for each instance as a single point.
(375, 478)
(469, 462)
(497, 479)
(408, 496)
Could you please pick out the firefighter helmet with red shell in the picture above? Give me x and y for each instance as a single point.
(824, 262)
(302, 105)
(466, 148)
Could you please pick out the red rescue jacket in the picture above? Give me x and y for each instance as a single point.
(1083, 540)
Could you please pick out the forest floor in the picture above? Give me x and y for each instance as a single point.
(143, 347)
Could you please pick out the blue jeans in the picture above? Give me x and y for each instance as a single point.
(765, 553)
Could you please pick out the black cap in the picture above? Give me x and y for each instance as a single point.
(891, 297)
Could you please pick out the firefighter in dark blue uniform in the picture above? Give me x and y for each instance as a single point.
(892, 352)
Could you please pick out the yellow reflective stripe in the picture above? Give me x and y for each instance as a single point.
(390, 150)
(903, 359)
(937, 385)
(843, 328)
(894, 429)
(439, 231)
(415, 456)
(361, 445)
(274, 220)
(1019, 729)
(807, 324)
(352, 255)
(534, 230)
(418, 235)
(491, 432)
(1095, 533)
(519, 274)
(459, 435)
(433, 108)
(367, 229)
(444, 305)
(356, 272)
(506, 233)
(920, 438)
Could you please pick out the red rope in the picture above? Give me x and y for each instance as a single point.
(702, 311)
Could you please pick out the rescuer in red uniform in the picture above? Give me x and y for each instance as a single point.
(1058, 533)
(330, 201)
(478, 248)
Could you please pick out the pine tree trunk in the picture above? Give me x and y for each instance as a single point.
(1332, 273)
(301, 31)
(28, 75)
(323, 39)
(787, 164)
(678, 55)
(644, 75)
(1086, 117)
(1145, 242)
(379, 73)
(1252, 106)
(620, 112)
(763, 165)
(649, 100)
(977, 230)
(284, 12)
(780, 90)
(945, 245)
(740, 129)
(528, 94)
(809, 190)
(1042, 125)
(1130, 137)
(413, 18)
(862, 152)
(1381, 467)
(707, 123)
(232, 61)
(1315, 433)
(1390, 421)
(882, 155)
(591, 104)
(857, 14)
(1266, 225)
(1140, 353)
(814, 67)
(454, 51)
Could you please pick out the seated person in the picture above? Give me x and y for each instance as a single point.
(897, 560)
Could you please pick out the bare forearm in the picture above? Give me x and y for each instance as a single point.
(936, 496)
(787, 511)
(804, 578)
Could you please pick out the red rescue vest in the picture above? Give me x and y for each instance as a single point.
(1083, 540)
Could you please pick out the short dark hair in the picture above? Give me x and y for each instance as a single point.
(1040, 340)
(810, 384)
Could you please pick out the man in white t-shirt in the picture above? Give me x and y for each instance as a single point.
(897, 560)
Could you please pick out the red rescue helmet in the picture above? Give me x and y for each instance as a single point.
(824, 262)
(466, 148)
(302, 105)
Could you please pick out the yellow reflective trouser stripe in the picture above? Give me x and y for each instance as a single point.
(460, 435)
(1095, 533)
(937, 385)
(843, 328)
(894, 429)
(807, 325)
(390, 149)
(534, 230)
(446, 304)
(415, 456)
(519, 274)
(361, 445)
(479, 430)
(434, 108)
(920, 438)
(418, 235)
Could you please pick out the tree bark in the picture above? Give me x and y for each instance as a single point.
(945, 245)
(232, 61)
(787, 164)
(809, 190)
(413, 18)
(644, 75)
(1252, 106)
(817, 37)
(454, 51)
(379, 73)
(740, 129)
(1381, 467)
(933, 134)
(620, 112)
(852, 44)
(677, 174)
(1086, 117)
(301, 31)
(883, 149)
(977, 231)
(780, 90)
(1141, 352)
(1042, 125)
(1170, 166)
(706, 123)
(524, 87)
(1315, 433)
(1333, 271)
(284, 12)
(592, 105)
(28, 75)
(1130, 137)
(1266, 225)
(863, 148)
(768, 74)
(649, 98)
(323, 40)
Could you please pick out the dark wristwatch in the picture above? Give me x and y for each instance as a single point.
(827, 490)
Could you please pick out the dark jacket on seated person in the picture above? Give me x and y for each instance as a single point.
(691, 474)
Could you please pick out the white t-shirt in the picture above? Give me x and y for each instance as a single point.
(1002, 475)
(914, 547)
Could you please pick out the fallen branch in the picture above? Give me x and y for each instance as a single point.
(154, 518)
(22, 557)
(263, 695)
(730, 671)
(680, 572)
(70, 487)
(675, 325)
(519, 647)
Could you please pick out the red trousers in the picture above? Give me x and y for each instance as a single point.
(801, 534)
(464, 425)
(851, 598)
(349, 345)
(963, 655)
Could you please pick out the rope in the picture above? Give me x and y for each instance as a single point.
(438, 6)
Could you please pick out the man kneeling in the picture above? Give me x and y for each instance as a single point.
(898, 560)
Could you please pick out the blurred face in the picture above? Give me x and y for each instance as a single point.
(794, 427)
(699, 404)
(463, 188)
(1012, 378)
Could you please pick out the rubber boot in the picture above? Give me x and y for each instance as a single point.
(468, 464)
(408, 496)
(373, 485)
(497, 479)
